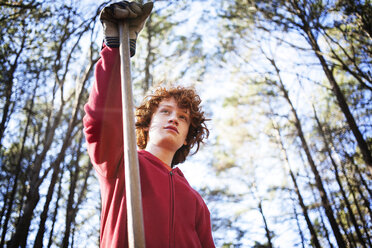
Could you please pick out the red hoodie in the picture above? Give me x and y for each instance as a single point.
(174, 214)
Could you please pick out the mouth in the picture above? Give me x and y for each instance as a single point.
(173, 128)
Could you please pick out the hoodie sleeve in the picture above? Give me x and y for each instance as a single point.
(103, 115)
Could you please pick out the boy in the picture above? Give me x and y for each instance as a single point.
(169, 123)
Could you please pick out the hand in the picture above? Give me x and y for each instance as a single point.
(132, 12)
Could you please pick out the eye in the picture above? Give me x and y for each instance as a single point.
(165, 111)
(183, 117)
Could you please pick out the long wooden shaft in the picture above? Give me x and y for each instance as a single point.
(136, 233)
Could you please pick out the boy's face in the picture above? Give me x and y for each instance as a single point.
(169, 126)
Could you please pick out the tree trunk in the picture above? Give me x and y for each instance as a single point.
(44, 215)
(338, 179)
(54, 218)
(9, 88)
(19, 238)
(318, 181)
(366, 153)
(321, 217)
(3, 209)
(21, 232)
(357, 178)
(314, 237)
(298, 224)
(72, 206)
(18, 169)
(70, 213)
(363, 182)
(356, 203)
(267, 230)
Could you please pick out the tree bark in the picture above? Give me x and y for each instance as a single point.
(298, 224)
(9, 88)
(70, 213)
(314, 236)
(323, 226)
(18, 169)
(366, 153)
(20, 236)
(44, 215)
(267, 230)
(318, 180)
(338, 179)
(73, 207)
(21, 233)
(54, 218)
(365, 203)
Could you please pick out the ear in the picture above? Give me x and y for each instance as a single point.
(185, 143)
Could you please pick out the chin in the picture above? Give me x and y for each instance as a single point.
(169, 144)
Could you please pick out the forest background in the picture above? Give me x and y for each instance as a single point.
(287, 85)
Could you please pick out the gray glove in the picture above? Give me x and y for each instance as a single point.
(135, 13)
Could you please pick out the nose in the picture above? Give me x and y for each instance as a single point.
(173, 120)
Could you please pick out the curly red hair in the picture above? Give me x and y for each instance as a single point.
(186, 98)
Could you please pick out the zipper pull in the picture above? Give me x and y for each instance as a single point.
(171, 173)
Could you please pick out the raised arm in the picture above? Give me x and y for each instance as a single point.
(103, 119)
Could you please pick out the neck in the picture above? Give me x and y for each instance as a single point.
(163, 154)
